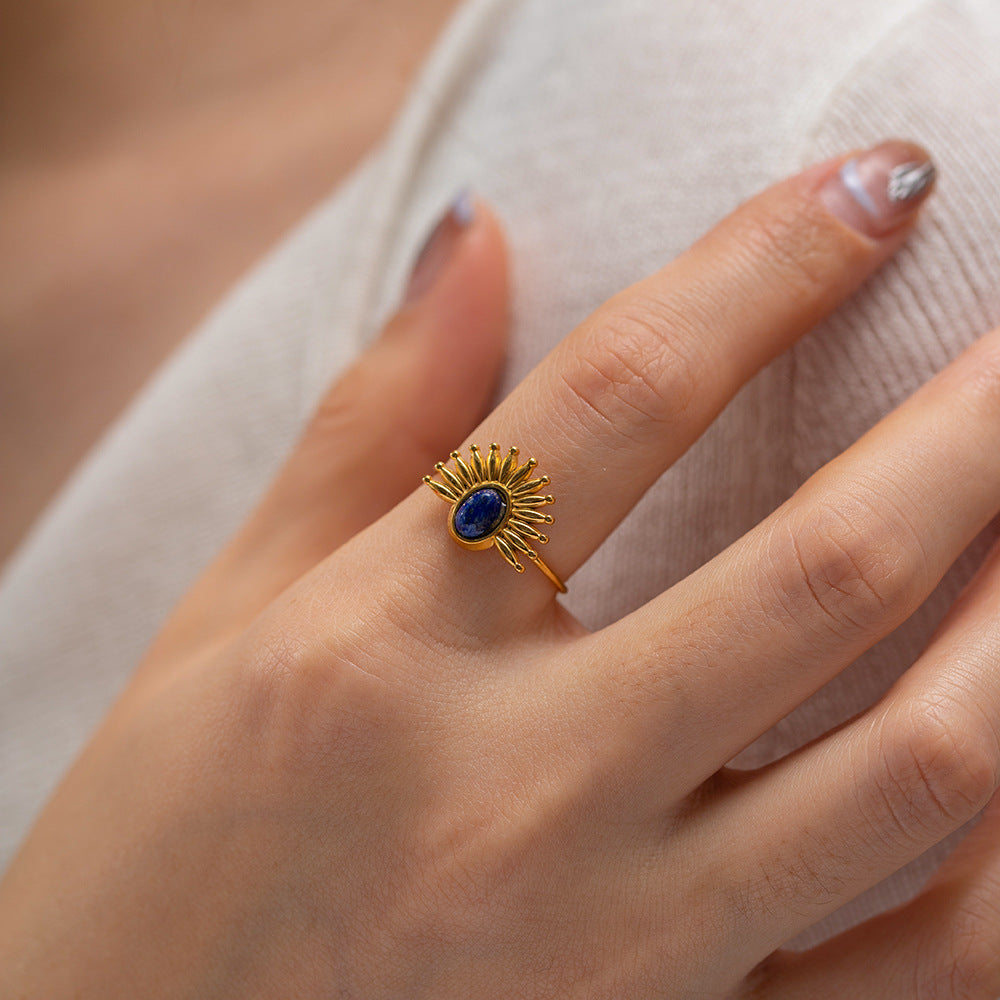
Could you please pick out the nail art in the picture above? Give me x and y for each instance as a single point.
(909, 180)
(877, 191)
(852, 181)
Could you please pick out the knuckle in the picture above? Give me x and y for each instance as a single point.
(937, 765)
(343, 406)
(963, 963)
(851, 564)
(339, 432)
(640, 368)
(974, 970)
(800, 877)
(362, 410)
(799, 252)
(315, 701)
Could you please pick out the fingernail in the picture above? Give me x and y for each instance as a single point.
(876, 191)
(438, 247)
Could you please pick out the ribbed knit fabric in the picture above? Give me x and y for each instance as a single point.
(609, 136)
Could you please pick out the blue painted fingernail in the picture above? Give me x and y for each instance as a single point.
(436, 250)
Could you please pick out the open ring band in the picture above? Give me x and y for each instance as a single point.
(494, 503)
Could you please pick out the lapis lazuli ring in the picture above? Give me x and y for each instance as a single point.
(494, 503)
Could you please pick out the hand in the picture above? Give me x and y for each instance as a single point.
(404, 770)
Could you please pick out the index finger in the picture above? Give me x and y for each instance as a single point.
(629, 391)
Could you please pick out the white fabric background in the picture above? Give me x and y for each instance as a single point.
(609, 135)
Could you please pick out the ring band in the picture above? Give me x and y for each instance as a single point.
(494, 503)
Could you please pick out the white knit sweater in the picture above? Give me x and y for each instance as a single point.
(608, 134)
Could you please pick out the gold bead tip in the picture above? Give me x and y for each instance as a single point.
(494, 446)
(453, 454)
(546, 480)
(439, 465)
(549, 498)
(473, 447)
(532, 462)
(427, 479)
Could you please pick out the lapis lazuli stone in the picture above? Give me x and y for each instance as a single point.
(480, 514)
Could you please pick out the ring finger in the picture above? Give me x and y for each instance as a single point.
(943, 943)
(856, 806)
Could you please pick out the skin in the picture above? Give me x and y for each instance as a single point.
(163, 150)
(362, 762)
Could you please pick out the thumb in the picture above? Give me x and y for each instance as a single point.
(423, 384)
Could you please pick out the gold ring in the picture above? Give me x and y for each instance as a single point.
(493, 502)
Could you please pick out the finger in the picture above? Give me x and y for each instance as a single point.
(628, 391)
(841, 564)
(945, 943)
(420, 386)
(828, 822)
(430, 375)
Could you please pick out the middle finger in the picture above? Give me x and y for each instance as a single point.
(848, 558)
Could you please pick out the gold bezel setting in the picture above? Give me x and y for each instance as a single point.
(511, 532)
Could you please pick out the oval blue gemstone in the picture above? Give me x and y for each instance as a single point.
(480, 514)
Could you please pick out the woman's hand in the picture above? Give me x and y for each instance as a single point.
(404, 770)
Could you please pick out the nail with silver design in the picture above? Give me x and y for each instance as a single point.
(877, 191)
(909, 180)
